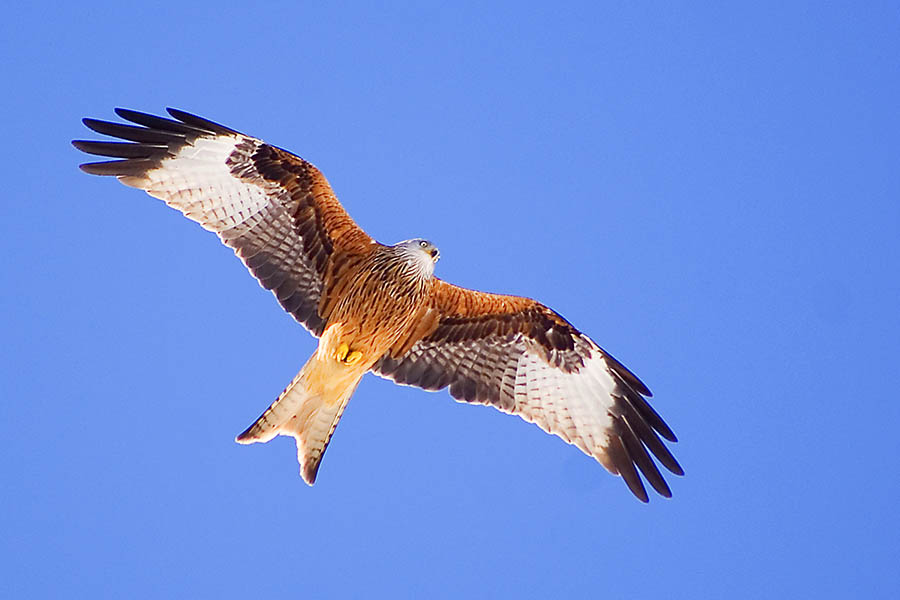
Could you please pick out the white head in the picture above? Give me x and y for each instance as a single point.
(422, 253)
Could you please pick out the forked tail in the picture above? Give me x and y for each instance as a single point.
(307, 410)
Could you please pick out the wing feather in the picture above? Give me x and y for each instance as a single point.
(275, 210)
(523, 358)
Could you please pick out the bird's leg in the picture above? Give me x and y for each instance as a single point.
(347, 356)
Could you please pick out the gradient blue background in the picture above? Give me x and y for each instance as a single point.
(711, 192)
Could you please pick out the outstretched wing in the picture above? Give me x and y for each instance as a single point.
(523, 358)
(273, 208)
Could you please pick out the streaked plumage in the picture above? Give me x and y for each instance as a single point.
(379, 308)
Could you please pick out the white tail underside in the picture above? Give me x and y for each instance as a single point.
(305, 411)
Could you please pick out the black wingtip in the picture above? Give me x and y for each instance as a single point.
(625, 374)
(119, 168)
(100, 168)
(119, 149)
(200, 122)
(624, 464)
(160, 123)
(665, 431)
(130, 115)
(135, 134)
(639, 456)
(639, 402)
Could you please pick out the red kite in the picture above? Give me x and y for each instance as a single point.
(377, 307)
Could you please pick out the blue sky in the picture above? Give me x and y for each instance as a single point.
(711, 192)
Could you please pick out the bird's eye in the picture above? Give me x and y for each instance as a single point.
(423, 243)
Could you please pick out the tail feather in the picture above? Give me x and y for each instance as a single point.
(312, 442)
(310, 417)
(267, 426)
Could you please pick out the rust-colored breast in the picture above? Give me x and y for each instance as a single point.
(375, 302)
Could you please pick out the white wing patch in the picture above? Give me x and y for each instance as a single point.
(573, 406)
(197, 181)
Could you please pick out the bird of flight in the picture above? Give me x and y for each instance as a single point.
(380, 308)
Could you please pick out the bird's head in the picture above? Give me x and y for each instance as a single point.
(421, 253)
(420, 245)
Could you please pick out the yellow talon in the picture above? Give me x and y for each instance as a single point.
(347, 356)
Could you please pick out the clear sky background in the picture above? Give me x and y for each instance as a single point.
(710, 192)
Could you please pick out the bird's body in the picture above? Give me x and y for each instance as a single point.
(383, 291)
(379, 308)
(381, 297)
